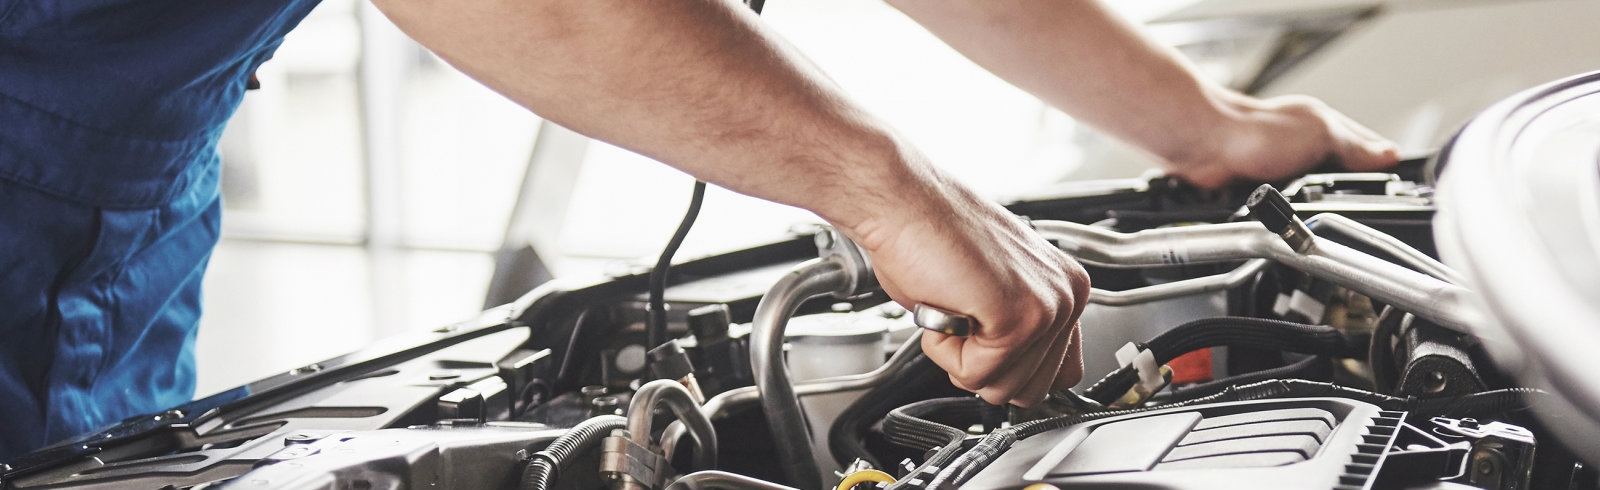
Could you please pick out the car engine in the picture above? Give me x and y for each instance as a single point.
(1299, 334)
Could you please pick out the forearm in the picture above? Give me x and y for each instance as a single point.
(1083, 58)
(696, 84)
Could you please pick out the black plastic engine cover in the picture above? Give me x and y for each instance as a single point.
(1314, 443)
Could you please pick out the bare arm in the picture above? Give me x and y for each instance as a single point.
(699, 85)
(1083, 58)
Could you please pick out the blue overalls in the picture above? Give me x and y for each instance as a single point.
(110, 112)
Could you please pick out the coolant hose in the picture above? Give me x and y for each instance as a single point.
(668, 393)
(544, 467)
(811, 279)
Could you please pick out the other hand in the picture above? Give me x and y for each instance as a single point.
(1279, 138)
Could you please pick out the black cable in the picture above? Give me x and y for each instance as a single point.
(1314, 368)
(544, 467)
(657, 333)
(908, 383)
(1261, 333)
(913, 425)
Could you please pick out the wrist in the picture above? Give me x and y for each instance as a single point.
(886, 181)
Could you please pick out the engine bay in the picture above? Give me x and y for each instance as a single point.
(1296, 334)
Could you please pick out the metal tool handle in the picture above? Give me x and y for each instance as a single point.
(943, 321)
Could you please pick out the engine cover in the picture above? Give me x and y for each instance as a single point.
(1321, 443)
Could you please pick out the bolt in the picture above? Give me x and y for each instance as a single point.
(824, 239)
(606, 405)
(1469, 423)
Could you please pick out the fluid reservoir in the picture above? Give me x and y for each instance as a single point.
(834, 344)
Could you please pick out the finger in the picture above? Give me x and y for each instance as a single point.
(945, 350)
(1361, 149)
(1010, 375)
(1071, 371)
(1044, 376)
(1021, 380)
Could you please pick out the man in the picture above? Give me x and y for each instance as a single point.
(110, 109)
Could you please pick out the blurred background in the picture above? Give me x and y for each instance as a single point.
(371, 190)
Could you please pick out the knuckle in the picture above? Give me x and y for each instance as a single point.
(965, 382)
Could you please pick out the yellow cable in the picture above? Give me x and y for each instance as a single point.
(864, 476)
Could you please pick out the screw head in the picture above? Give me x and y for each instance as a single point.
(824, 239)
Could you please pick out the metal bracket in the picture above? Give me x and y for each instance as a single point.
(628, 466)
(832, 245)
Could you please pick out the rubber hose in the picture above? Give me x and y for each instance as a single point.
(779, 403)
(907, 427)
(1262, 333)
(910, 426)
(846, 435)
(1493, 401)
(544, 467)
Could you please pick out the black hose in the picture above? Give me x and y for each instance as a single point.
(544, 467)
(909, 382)
(909, 426)
(1261, 333)
(912, 425)
(1256, 332)
(1486, 402)
(657, 333)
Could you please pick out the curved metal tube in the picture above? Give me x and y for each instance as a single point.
(677, 399)
(1386, 243)
(1442, 303)
(718, 406)
(1175, 289)
(706, 480)
(810, 279)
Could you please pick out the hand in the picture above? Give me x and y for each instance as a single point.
(1282, 137)
(959, 252)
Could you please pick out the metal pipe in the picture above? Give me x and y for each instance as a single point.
(707, 480)
(718, 406)
(666, 392)
(813, 278)
(1386, 243)
(1176, 289)
(1442, 303)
